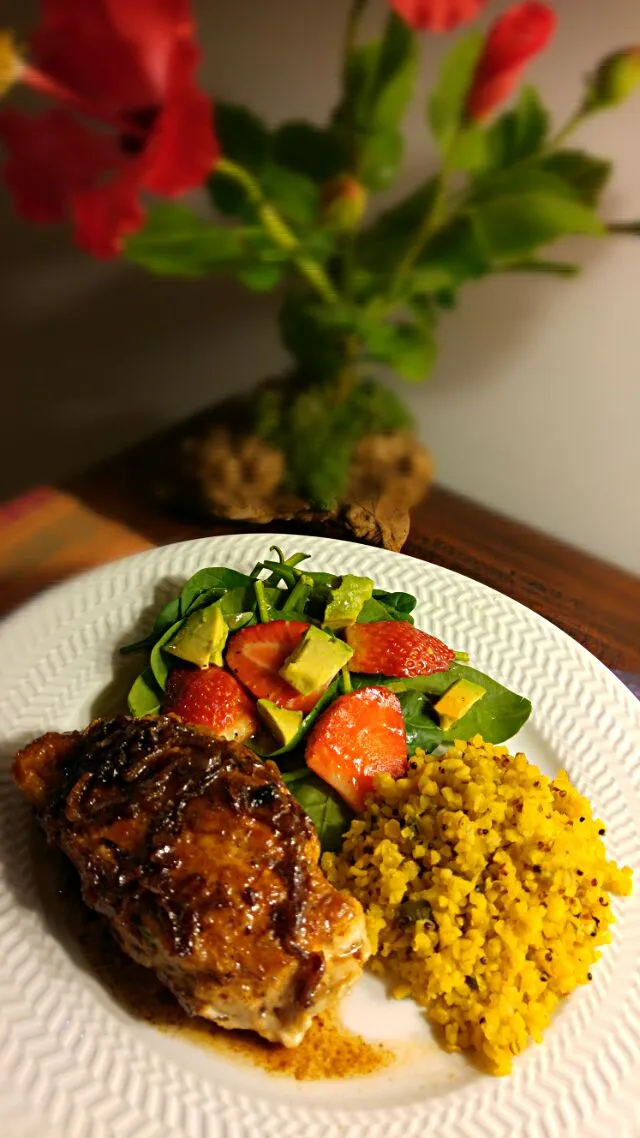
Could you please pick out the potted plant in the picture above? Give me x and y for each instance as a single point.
(293, 209)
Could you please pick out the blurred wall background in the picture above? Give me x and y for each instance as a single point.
(534, 408)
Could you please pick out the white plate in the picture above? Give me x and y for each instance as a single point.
(74, 1064)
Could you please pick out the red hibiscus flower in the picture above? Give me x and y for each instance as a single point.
(437, 15)
(511, 42)
(127, 65)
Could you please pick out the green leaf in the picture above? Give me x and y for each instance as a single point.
(454, 252)
(378, 245)
(260, 278)
(195, 591)
(402, 603)
(419, 721)
(447, 100)
(244, 139)
(497, 716)
(379, 78)
(381, 159)
(379, 82)
(387, 606)
(243, 136)
(329, 813)
(409, 348)
(168, 615)
(229, 198)
(373, 610)
(159, 665)
(586, 174)
(469, 149)
(396, 72)
(295, 196)
(312, 151)
(145, 697)
(176, 241)
(518, 133)
(521, 212)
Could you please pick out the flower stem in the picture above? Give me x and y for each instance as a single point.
(431, 221)
(351, 33)
(278, 230)
(627, 227)
(575, 121)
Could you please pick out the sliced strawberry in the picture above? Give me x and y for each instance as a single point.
(396, 648)
(211, 698)
(257, 653)
(360, 735)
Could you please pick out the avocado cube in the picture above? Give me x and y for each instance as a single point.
(457, 701)
(201, 638)
(282, 723)
(346, 600)
(314, 663)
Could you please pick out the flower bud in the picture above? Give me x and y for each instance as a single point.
(344, 200)
(616, 77)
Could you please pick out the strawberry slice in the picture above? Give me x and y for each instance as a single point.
(211, 698)
(255, 655)
(359, 735)
(396, 648)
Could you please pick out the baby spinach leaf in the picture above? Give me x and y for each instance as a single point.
(401, 602)
(497, 716)
(243, 599)
(373, 610)
(158, 662)
(420, 725)
(216, 577)
(241, 620)
(329, 813)
(202, 600)
(145, 697)
(382, 606)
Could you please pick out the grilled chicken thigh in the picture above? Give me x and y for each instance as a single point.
(205, 866)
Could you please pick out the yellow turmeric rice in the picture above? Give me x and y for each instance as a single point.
(487, 893)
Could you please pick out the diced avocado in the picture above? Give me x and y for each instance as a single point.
(317, 659)
(283, 724)
(345, 601)
(457, 701)
(201, 638)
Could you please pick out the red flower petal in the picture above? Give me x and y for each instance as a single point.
(106, 214)
(127, 62)
(78, 46)
(153, 26)
(512, 41)
(182, 148)
(437, 15)
(51, 158)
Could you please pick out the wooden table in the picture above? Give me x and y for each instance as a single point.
(51, 533)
